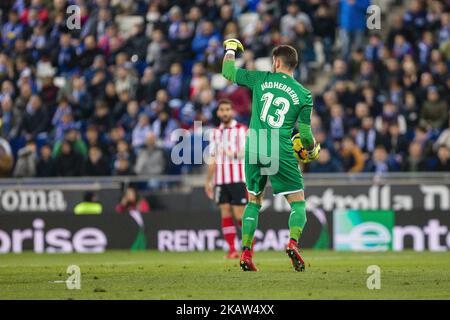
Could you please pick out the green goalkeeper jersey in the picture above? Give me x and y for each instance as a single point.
(278, 100)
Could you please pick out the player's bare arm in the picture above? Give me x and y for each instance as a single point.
(209, 184)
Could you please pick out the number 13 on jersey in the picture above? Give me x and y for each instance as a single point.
(283, 107)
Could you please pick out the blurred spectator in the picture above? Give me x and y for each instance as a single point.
(351, 155)
(155, 50)
(150, 159)
(379, 163)
(175, 17)
(435, 111)
(148, 86)
(22, 100)
(205, 106)
(422, 137)
(80, 98)
(374, 48)
(442, 160)
(352, 21)
(130, 118)
(102, 117)
(45, 166)
(126, 80)
(10, 119)
(65, 57)
(109, 142)
(389, 116)
(325, 28)
(444, 138)
(110, 39)
(35, 119)
(160, 103)
(120, 105)
(175, 83)
(62, 119)
(122, 168)
(137, 42)
(337, 126)
(26, 161)
(12, 30)
(181, 44)
(35, 14)
(396, 142)
(291, 19)
(69, 163)
(410, 111)
(339, 72)
(132, 201)
(49, 92)
(401, 47)
(162, 128)
(140, 131)
(74, 138)
(97, 163)
(304, 43)
(213, 56)
(367, 138)
(202, 38)
(415, 18)
(415, 160)
(325, 163)
(89, 51)
(123, 152)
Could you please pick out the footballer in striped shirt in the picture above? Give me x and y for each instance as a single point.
(225, 182)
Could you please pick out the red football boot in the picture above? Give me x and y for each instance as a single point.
(296, 258)
(246, 262)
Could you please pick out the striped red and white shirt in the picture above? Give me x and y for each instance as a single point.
(225, 145)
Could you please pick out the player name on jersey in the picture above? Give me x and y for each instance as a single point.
(283, 87)
(227, 146)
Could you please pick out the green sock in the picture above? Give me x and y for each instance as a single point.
(297, 219)
(249, 223)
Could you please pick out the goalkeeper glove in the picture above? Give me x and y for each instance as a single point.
(234, 45)
(313, 154)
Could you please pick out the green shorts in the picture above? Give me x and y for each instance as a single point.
(287, 179)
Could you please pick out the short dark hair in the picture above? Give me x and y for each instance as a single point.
(287, 54)
(224, 101)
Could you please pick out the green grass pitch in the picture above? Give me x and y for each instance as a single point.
(206, 275)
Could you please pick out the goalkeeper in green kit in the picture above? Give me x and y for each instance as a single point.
(278, 100)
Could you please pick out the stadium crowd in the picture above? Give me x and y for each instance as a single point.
(103, 99)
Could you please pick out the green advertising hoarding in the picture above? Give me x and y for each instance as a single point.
(363, 230)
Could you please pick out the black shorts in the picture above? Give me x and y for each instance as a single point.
(232, 193)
